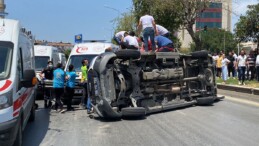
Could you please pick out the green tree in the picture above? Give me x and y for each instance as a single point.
(173, 14)
(125, 23)
(216, 40)
(247, 28)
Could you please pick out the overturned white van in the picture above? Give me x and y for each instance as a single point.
(87, 50)
(17, 81)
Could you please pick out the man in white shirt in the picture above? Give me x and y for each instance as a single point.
(118, 37)
(148, 25)
(129, 42)
(241, 65)
(162, 31)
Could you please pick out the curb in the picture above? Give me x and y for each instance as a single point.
(254, 91)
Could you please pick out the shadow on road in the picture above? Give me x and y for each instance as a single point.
(35, 132)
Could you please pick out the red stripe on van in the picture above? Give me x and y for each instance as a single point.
(22, 99)
(16, 114)
(6, 85)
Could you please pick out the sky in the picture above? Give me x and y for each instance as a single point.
(61, 20)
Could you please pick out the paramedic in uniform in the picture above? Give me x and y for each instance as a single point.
(148, 25)
(47, 73)
(71, 78)
(58, 85)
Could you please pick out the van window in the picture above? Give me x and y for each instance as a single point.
(5, 60)
(41, 62)
(76, 60)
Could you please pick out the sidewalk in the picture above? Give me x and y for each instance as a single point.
(236, 88)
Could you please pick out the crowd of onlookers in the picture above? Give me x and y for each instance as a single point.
(243, 66)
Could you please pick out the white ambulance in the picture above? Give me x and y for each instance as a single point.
(87, 50)
(43, 54)
(17, 81)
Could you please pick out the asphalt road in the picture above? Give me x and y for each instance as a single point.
(232, 122)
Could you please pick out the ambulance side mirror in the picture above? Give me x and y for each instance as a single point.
(29, 79)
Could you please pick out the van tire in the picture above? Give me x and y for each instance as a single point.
(32, 113)
(200, 54)
(18, 139)
(128, 54)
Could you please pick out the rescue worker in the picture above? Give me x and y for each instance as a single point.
(71, 78)
(47, 74)
(148, 25)
(84, 71)
(118, 37)
(164, 44)
(162, 31)
(58, 85)
(130, 42)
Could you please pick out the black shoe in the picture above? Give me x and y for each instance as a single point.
(45, 105)
(70, 109)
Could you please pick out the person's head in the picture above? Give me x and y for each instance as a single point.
(230, 54)
(59, 65)
(233, 51)
(220, 53)
(242, 52)
(71, 67)
(126, 34)
(50, 64)
(223, 56)
(109, 49)
(131, 33)
(84, 62)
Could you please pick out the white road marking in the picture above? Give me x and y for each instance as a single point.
(253, 103)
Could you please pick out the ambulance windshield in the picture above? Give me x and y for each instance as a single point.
(41, 62)
(5, 62)
(76, 60)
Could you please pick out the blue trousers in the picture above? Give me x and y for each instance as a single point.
(241, 73)
(149, 32)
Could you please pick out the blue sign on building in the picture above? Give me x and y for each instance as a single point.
(78, 38)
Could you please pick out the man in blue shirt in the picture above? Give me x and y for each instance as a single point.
(71, 78)
(164, 44)
(58, 85)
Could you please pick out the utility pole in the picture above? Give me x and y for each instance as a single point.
(2, 9)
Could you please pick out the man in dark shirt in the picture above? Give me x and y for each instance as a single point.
(231, 64)
(47, 74)
(251, 65)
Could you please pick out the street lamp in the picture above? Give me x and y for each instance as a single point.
(118, 11)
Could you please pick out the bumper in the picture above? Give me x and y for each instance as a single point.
(8, 131)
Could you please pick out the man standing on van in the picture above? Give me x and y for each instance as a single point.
(71, 78)
(84, 71)
(47, 73)
(58, 85)
(148, 25)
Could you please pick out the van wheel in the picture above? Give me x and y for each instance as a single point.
(32, 114)
(18, 139)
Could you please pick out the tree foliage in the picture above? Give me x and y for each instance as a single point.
(216, 40)
(247, 28)
(126, 22)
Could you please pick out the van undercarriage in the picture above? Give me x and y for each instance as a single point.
(127, 83)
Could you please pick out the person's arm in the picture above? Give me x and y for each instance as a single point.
(154, 25)
(139, 26)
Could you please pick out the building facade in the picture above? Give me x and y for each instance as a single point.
(217, 15)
